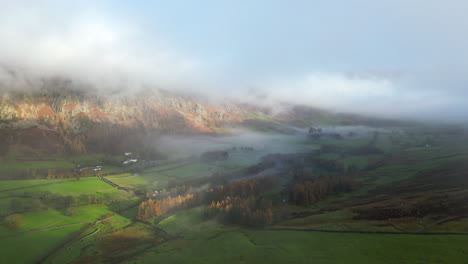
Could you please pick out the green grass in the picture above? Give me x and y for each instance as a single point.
(340, 215)
(197, 169)
(109, 169)
(5, 204)
(360, 161)
(162, 175)
(182, 220)
(344, 143)
(249, 246)
(28, 248)
(90, 213)
(68, 254)
(6, 185)
(51, 218)
(33, 220)
(118, 175)
(130, 182)
(208, 242)
(72, 188)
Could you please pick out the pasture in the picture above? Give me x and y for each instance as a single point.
(186, 236)
(209, 243)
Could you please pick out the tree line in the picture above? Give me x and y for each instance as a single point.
(247, 211)
(237, 202)
(308, 191)
(243, 188)
(153, 208)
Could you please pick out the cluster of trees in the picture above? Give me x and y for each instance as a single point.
(152, 208)
(40, 201)
(66, 173)
(100, 198)
(244, 188)
(236, 202)
(73, 143)
(308, 191)
(245, 211)
(36, 173)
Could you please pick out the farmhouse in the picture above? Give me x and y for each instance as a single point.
(130, 161)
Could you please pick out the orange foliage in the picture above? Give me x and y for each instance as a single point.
(152, 208)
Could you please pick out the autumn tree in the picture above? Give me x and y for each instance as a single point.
(312, 190)
(14, 221)
(153, 208)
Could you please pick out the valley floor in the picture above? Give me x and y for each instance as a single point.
(402, 194)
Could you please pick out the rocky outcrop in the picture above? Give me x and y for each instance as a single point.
(152, 109)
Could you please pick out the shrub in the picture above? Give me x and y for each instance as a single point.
(14, 221)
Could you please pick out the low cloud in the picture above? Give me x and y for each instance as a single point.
(363, 94)
(90, 47)
(328, 57)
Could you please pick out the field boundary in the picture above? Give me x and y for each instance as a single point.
(36, 185)
(362, 232)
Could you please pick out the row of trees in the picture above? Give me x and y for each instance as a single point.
(237, 202)
(67, 173)
(245, 211)
(40, 173)
(309, 191)
(153, 208)
(243, 188)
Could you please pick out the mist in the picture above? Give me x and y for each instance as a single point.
(183, 146)
(389, 59)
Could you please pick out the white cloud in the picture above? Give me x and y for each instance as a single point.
(372, 95)
(425, 45)
(91, 47)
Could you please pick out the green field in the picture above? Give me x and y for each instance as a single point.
(181, 221)
(185, 235)
(84, 185)
(206, 243)
(6, 185)
(28, 248)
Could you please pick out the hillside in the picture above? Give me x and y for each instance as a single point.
(57, 115)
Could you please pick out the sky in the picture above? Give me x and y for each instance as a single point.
(391, 58)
